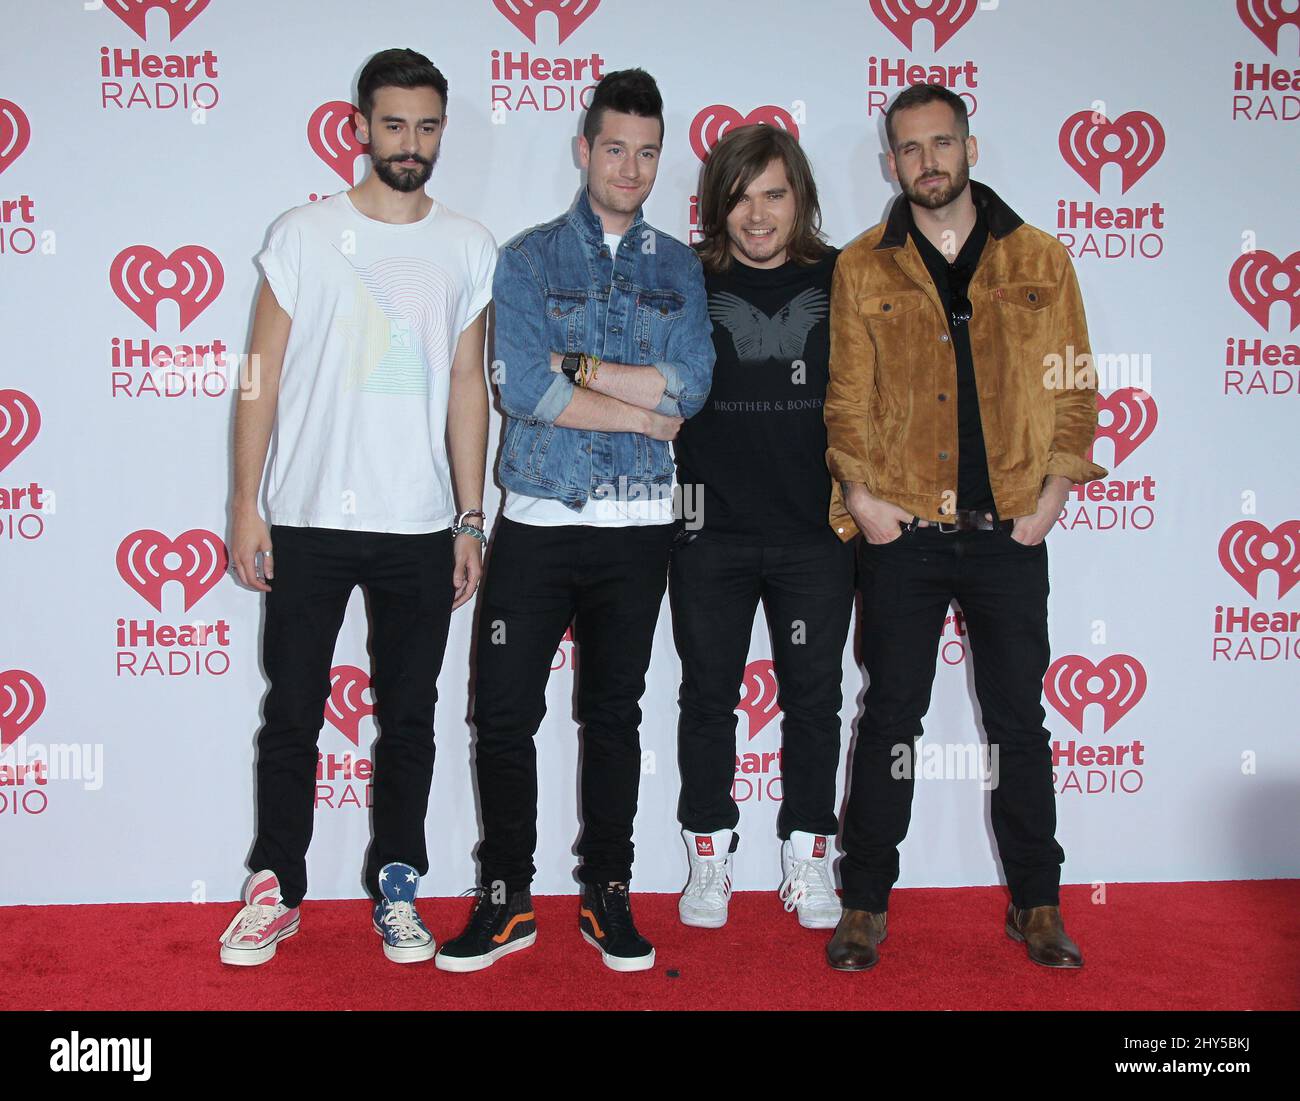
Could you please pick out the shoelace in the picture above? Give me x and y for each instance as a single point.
(618, 909)
(252, 919)
(483, 918)
(808, 881)
(400, 917)
(713, 877)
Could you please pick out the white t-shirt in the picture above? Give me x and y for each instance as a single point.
(598, 512)
(361, 423)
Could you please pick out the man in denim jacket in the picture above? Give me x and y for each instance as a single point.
(602, 349)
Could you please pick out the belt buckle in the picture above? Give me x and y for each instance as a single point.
(948, 529)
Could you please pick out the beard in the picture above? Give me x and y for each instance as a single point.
(932, 198)
(404, 179)
(758, 251)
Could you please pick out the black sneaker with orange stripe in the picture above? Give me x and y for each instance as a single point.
(495, 929)
(605, 917)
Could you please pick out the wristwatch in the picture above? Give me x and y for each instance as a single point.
(570, 364)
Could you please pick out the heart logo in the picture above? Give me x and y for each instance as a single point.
(332, 135)
(1073, 682)
(946, 18)
(142, 277)
(20, 420)
(22, 700)
(709, 125)
(346, 708)
(15, 132)
(1258, 279)
(569, 14)
(1248, 549)
(1089, 142)
(135, 13)
(758, 695)
(1133, 416)
(198, 561)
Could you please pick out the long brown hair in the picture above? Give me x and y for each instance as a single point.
(741, 156)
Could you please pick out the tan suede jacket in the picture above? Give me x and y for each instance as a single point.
(891, 408)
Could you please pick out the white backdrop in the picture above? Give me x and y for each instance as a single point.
(128, 756)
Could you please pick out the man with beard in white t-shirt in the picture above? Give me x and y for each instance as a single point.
(367, 355)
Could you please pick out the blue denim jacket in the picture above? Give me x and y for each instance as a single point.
(557, 289)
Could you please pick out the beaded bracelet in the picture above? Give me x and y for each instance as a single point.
(470, 529)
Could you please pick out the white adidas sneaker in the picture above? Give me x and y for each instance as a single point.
(704, 902)
(808, 886)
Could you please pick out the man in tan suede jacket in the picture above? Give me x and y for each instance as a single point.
(961, 407)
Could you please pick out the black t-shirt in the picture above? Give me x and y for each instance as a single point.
(757, 450)
(973, 489)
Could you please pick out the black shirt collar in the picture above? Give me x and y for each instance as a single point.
(999, 217)
(963, 265)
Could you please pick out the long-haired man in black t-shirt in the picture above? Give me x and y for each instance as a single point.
(753, 461)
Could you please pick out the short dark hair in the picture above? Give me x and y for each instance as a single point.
(920, 94)
(397, 68)
(629, 92)
(742, 155)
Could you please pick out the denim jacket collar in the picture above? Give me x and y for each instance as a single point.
(588, 224)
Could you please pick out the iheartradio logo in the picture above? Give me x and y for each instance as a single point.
(1090, 141)
(332, 135)
(1258, 279)
(135, 13)
(142, 277)
(758, 695)
(1073, 682)
(946, 18)
(15, 132)
(569, 14)
(1266, 18)
(22, 700)
(710, 124)
(20, 420)
(1132, 418)
(1248, 549)
(346, 707)
(147, 560)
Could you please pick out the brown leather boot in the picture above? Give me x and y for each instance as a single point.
(1042, 930)
(853, 947)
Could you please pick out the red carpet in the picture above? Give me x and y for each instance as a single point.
(1166, 946)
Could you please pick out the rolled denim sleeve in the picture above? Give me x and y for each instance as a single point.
(688, 368)
(521, 360)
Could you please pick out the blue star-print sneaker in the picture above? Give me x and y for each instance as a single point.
(406, 940)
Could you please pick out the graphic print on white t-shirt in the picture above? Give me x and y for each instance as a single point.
(397, 326)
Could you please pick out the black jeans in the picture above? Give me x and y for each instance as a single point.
(409, 582)
(609, 583)
(807, 591)
(1001, 586)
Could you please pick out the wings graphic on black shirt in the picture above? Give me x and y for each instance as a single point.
(782, 336)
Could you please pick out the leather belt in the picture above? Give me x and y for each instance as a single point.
(968, 519)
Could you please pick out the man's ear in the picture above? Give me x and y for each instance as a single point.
(893, 164)
(584, 152)
(362, 128)
(972, 151)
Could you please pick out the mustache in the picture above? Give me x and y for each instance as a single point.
(408, 157)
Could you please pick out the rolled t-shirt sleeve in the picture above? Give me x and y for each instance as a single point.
(280, 261)
(483, 267)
